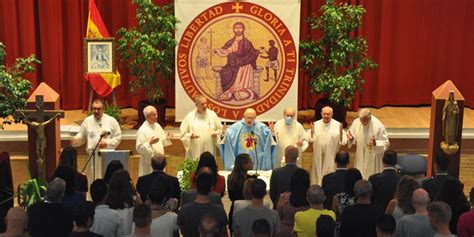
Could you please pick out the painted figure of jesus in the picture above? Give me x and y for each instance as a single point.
(237, 74)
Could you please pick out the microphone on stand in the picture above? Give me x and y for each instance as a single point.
(255, 141)
(105, 134)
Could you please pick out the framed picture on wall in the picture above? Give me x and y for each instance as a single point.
(99, 56)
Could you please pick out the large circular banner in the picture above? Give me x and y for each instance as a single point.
(238, 55)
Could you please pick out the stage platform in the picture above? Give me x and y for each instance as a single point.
(407, 128)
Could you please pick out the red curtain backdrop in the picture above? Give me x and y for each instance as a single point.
(418, 45)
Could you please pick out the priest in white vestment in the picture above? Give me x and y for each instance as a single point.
(151, 140)
(92, 129)
(327, 136)
(289, 132)
(199, 130)
(370, 136)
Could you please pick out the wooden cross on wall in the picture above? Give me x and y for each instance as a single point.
(40, 115)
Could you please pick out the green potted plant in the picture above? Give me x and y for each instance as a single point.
(337, 59)
(186, 168)
(148, 51)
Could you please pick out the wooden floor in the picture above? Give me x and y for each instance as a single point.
(391, 117)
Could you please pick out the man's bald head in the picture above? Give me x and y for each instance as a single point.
(291, 154)
(289, 112)
(158, 162)
(420, 198)
(249, 116)
(326, 114)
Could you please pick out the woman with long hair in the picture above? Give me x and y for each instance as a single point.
(120, 198)
(293, 201)
(68, 158)
(113, 166)
(236, 180)
(207, 160)
(401, 204)
(452, 193)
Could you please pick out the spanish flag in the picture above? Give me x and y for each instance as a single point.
(102, 83)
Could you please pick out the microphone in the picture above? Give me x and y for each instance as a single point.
(254, 137)
(105, 134)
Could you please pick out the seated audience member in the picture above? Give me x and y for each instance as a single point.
(360, 219)
(112, 167)
(333, 183)
(281, 177)
(141, 221)
(207, 160)
(68, 157)
(325, 226)
(72, 197)
(107, 222)
(401, 205)
(385, 183)
(433, 185)
(83, 218)
(452, 193)
(413, 165)
(416, 224)
(386, 226)
(304, 220)
(465, 226)
(51, 218)
(120, 198)
(16, 223)
(247, 192)
(190, 215)
(164, 222)
(189, 196)
(439, 214)
(293, 201)
(209, 226)
(244, 218)
(235, 181)
(158, 164)
(261, 228)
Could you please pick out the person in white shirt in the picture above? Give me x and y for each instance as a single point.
(151, 140)
(96, 126)
(199, 130)
(371, 138)
(289, 132)
(107, 222)
(327, 136)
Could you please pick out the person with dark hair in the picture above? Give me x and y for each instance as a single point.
(359, 220)
(68, 157)
(98, 126)
(247, 191)
(452, 193)
(293, 201)
(385, 226)
(50, 217)
(465, 226)
(71, 196)
(142, 220)
(347, 197)
(280, 179)
(433, 185)
(439, 213)
(189, 196)
(164, 222)
(304, 220)
(120, 198)
(401, 204)
(107, 222)
(261, 228)
(385, 183)
(158, 163)
(235, 181)
(83, 218)
(325, 226)
(209, 226)
(190, 215)
(333, 183)
(207, 160)
(112, 167)
(244, 218)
